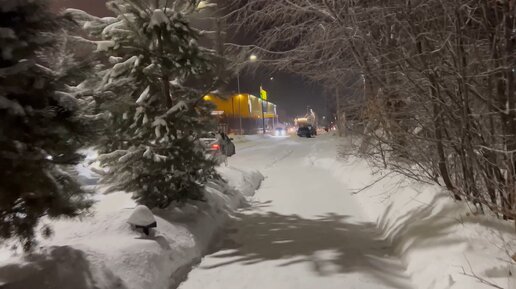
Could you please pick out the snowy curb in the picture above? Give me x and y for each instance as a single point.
(101, 251)
(438, 239)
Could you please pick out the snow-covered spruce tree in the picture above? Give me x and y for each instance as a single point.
(41, 125)
(153, 91)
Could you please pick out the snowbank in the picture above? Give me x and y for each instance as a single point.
(245, 182)
(239, 139)
(101, 251)
(440, 241)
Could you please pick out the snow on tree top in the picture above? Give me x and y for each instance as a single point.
(114, 59)
(66, 100)
(78, 14)
(113, 28)
(104, 45)
(144, 96)
(181, 105)
(158, 121)
(158, 18)
(205, 4)
(175, 82)
(120, 68)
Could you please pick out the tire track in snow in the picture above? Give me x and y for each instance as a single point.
(279, 159)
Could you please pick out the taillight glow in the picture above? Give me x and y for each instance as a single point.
(215, 146)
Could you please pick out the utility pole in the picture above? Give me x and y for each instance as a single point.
(252, 58)
(263, 116)
(263, 104)
(337, 118)
(219, 43)
(233, 119)
(274, 119)
(240, 112)
(238, 81)
(239, 100)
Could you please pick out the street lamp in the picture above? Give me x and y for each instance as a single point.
(263, 115)
(252, 58)
(264, 103)
(240, 112)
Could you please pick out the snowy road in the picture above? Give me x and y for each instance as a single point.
(303, 229)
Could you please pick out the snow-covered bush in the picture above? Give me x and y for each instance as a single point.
(41, 123)
(152, 87)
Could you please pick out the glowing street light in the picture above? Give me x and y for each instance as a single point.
(252, 58)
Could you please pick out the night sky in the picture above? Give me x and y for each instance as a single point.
(291, 93)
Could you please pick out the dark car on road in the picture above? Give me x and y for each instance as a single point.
(305, 131)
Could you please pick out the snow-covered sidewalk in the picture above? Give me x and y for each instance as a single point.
(306, 229)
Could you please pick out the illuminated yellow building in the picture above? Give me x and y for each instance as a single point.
(245, 107)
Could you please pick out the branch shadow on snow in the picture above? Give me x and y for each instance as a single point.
(430, 225)
(329, 244)
(423, 226)
(57, 268)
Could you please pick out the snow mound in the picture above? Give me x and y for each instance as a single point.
(85, 173)
(141, 216)
(443, 244)
(101, 251)
(246, 182)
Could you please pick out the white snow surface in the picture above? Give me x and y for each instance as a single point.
(307, 229)
(443, 244)
(143, 96)
(104, 45)
(205, 4)
(101, 251)
(181, 105)
(141, 216)
(158, 18)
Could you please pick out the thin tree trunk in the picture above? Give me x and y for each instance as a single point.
(338, 116)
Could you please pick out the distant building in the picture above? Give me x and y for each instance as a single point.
(244, 109)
